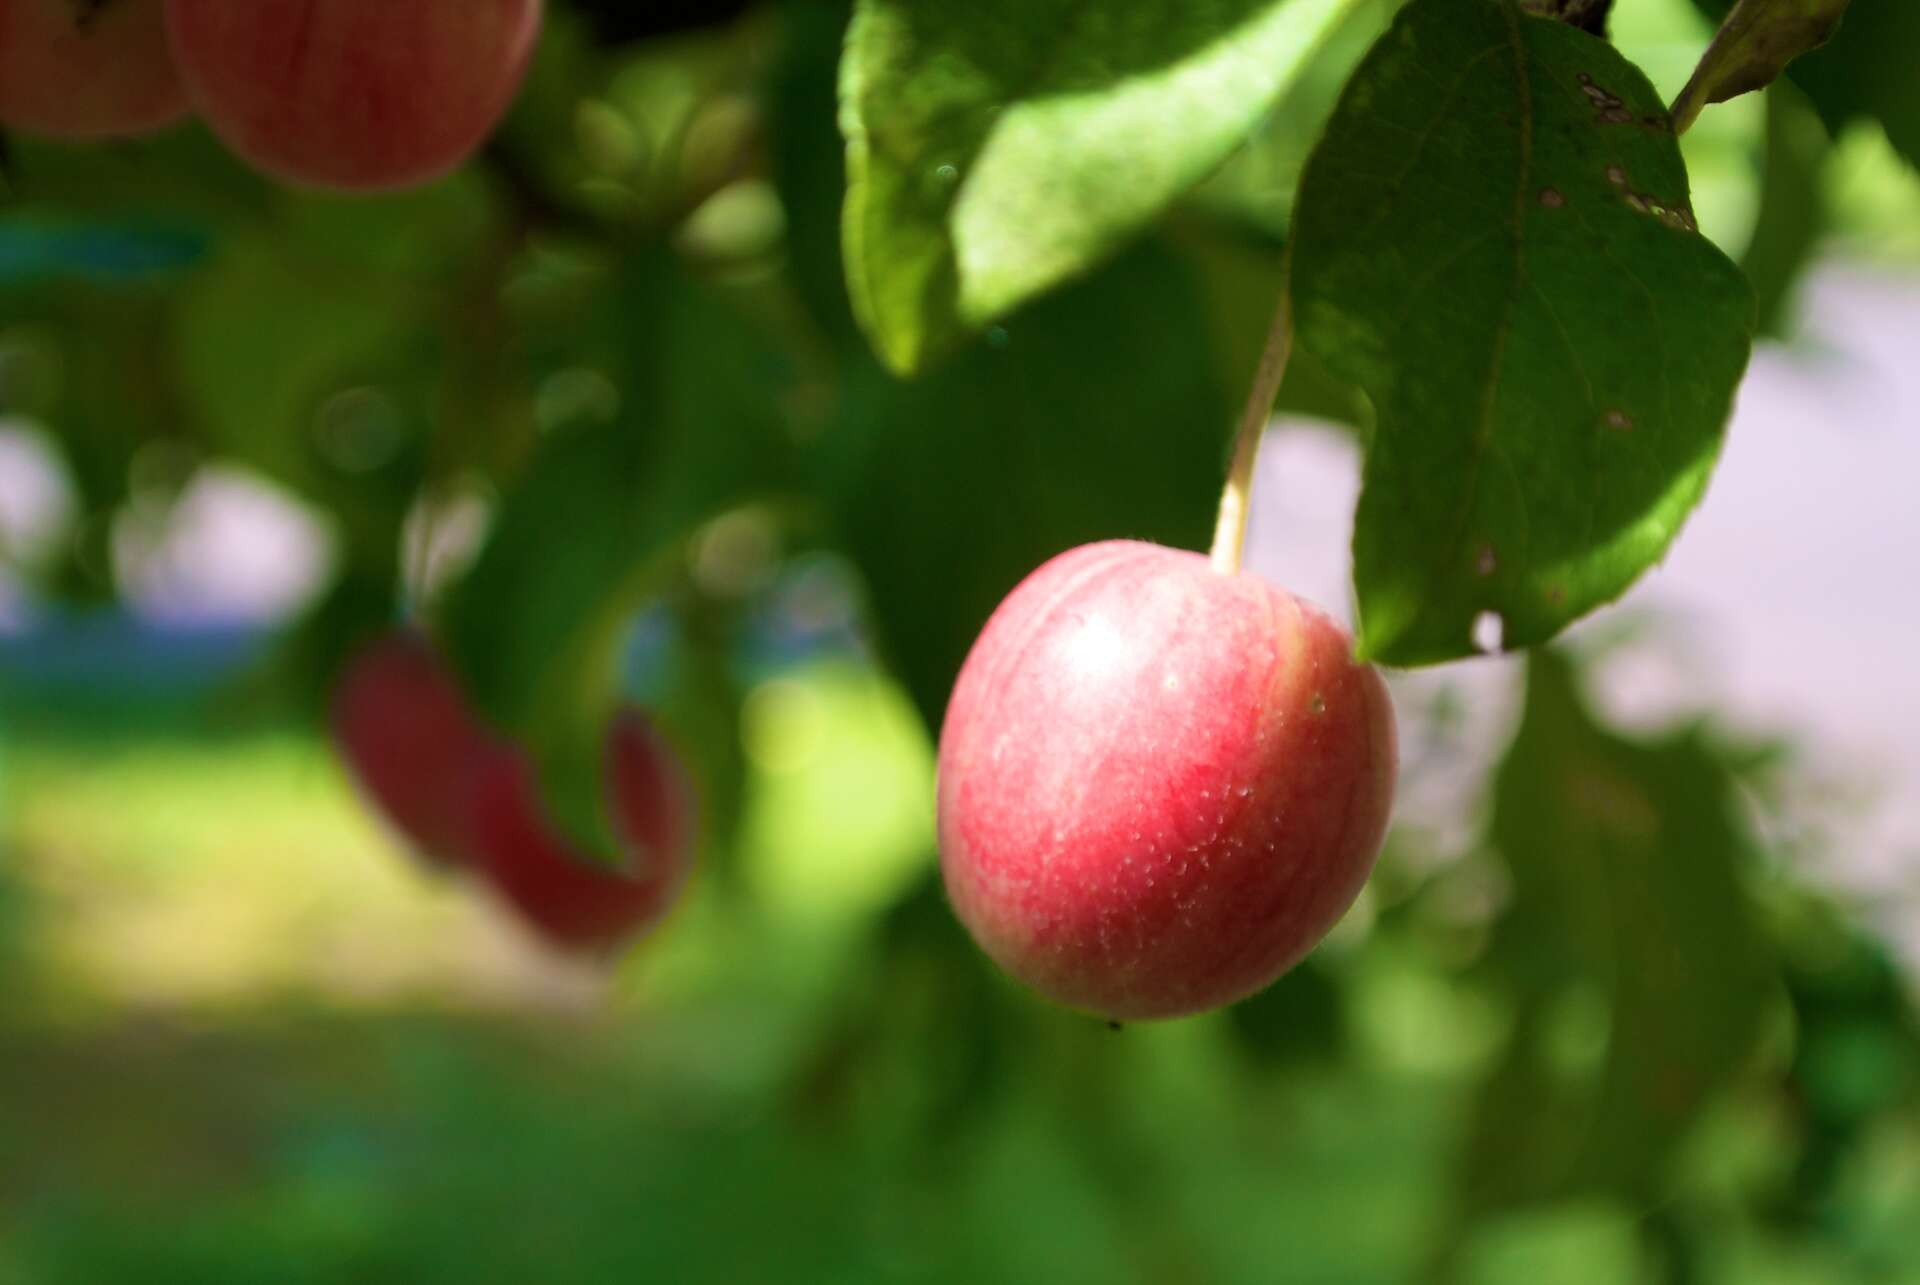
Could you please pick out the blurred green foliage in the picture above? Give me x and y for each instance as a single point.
(1616, 1036)
(1612, 1039)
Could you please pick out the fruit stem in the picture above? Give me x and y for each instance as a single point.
(1230, 533)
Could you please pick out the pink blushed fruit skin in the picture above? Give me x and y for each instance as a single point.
(567, 899)
(403, 727)
(464, 798)
(1160, 786)
(358, 95)
(73, 70)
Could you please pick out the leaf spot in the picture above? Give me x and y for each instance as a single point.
(1618, 420)
(1484, 562)
(1673, 216)
(1603, 100)
(1551, 198)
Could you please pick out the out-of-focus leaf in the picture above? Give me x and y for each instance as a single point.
(1865, 71)
(1856, 1050)
(1494, 241)
(180, 176)
(107, 392)
(927, 1041)
(313, 378)
(1756, 41)
(264, 342)
(1096, 414)
(1793, 209)
(1242, 276)
(1255, 185)
(809, 157)
(997, 149)
(306, 660)
(579, 538)
(1629, 946)
(347, 348)
(1298, 1019)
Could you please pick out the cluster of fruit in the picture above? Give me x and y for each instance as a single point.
(349, 94)
(466, 800)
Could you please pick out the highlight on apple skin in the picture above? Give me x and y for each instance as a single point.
(87, 69)
(1160, 785)
(569, 900)
(353, 94)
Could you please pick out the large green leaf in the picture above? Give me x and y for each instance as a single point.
(996, 149)
(1494, 242)
(580, 537)
(1630, 947)
(1753, 46)
(1100, 415)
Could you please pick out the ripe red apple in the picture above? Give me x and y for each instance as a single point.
(1160, 785)
(87, 68)
(568, 899)
(357, 94)
(404, 729)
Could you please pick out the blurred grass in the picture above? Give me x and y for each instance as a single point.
(244, 1039)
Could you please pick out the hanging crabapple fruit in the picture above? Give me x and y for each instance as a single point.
(1161, 784)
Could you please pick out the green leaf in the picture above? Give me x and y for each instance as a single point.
(1099, 414)
(997, 149)
(808, 156)
(1630, 946)
(1494, 242)
(582, 537)
(1794, 217)
(97, 372)
(1864, 72)
(264, 339)
(1753, 46)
